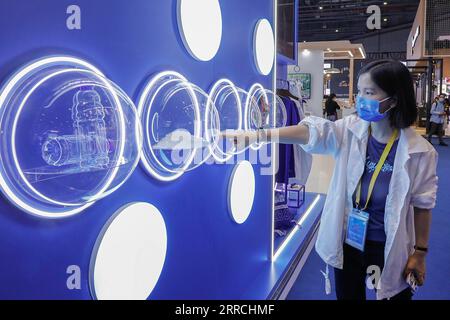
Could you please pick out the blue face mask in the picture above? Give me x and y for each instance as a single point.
(369, 109)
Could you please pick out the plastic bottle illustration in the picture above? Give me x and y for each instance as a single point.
(88, 146)
(88, 115)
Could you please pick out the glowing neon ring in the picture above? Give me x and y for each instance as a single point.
(121, 147)
(214, 94)
(275, 108)
(4, 94)
(254, 90)
(172, 77)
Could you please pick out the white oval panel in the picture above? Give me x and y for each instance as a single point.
(241, 192)
(264, 47)
(200, 27)
(129, 255)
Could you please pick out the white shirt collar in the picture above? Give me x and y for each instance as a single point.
(416, 143)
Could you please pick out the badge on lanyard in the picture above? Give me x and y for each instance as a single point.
(358, 219)
(357, 229)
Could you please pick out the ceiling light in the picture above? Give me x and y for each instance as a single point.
(332, 71)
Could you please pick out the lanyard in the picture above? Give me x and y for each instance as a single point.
(377, 171)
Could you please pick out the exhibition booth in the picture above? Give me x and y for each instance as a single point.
(113, 168)
(428, 54)
(332, 66)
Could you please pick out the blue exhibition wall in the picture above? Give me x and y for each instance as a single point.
(208, 255)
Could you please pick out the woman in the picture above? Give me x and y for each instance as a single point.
(331, 107)
(376, 151)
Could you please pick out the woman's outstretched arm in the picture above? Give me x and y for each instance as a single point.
(315, 135)
(298, 134)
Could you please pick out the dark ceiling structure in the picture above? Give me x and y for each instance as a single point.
(328, 20)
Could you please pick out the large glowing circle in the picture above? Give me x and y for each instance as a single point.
(227, 99)
(180, 125)
(129, 254)
(241, 192)
(200, 27)
(256, 97)
(69, 137)
(264, 47)
(277, 115)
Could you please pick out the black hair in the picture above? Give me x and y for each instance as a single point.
(332, 96)
(394, 78)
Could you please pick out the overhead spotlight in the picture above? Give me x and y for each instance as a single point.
(332, 71)
(306, 52)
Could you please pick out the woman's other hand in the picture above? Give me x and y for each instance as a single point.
(417, 266)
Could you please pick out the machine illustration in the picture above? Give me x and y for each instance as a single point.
(88, 146)
(70, 136)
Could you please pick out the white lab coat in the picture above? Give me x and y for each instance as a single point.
(413, 184)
